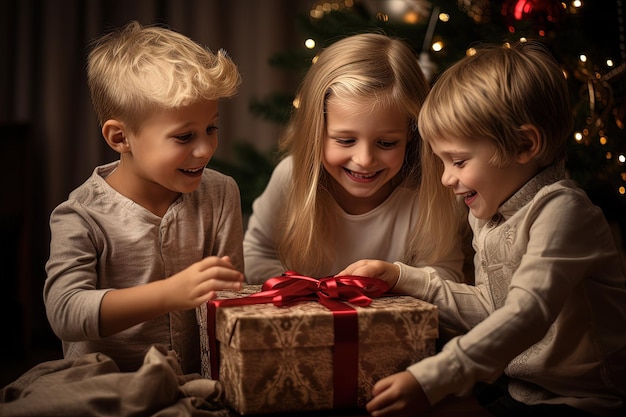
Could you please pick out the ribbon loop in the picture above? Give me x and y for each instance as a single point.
(292, 287)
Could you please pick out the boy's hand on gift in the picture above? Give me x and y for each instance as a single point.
(398, 395)
(371, 268)
(122, 308)
(197, 283)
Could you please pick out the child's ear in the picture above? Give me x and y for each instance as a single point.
(530, 145)
(114, 132)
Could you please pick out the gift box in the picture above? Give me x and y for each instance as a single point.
(307, 356)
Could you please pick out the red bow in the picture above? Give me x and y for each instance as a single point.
(291, 287)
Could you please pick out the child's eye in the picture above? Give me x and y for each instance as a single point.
(387, 144)
(344, 142)
(184, 138)
(211, 130)
(459, 163)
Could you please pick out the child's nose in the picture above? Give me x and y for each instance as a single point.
(448, 179)
(206, 146)
(365, 156)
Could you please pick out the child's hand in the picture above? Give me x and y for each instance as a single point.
(123, 308)
(398, 395)
(386, 271)
(197, 284)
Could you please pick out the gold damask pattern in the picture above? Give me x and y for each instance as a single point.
(280, 359)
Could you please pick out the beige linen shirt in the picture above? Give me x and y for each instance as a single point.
(548, 308)
(101, 241)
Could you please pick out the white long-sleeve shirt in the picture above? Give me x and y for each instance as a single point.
(101, 240)
(548, 307)
(378, 234)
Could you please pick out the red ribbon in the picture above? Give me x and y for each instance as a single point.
(331, 291)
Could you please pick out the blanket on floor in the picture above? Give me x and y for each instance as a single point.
(92, 385)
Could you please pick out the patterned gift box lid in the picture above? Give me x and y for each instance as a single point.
(265, 326)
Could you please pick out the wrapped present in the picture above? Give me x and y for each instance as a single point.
(287, 350)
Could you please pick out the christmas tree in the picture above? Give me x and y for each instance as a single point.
(587, 38)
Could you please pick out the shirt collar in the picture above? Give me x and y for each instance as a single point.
(524, 195)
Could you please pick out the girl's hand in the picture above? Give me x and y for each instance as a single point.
(385, 271)
(197, 283)
(398, 395)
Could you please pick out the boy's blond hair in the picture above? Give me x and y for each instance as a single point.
(367, 69)
(139, 69)
(493, 93)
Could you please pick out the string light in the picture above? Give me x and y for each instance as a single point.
(323, 7)
(411, 17)
(383, 17)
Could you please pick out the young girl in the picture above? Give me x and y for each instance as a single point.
(355, 182)
(147, 239)
(549, 306)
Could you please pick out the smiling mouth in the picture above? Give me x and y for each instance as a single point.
(192, 171)
(469, 196)
(362, 176)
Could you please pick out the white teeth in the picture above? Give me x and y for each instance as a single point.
(191, 170)
(361, 176)
(470, 194)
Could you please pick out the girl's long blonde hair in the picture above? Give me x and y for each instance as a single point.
(365, 68)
